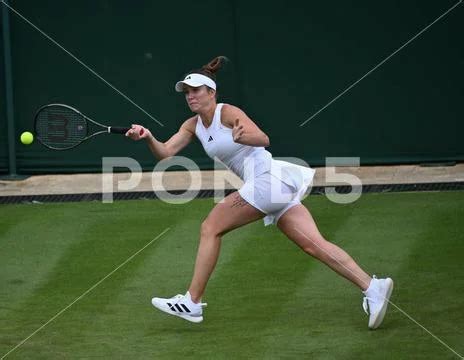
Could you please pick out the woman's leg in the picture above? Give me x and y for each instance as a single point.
(299, 226)
(230, 214)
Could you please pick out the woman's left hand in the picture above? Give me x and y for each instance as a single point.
(237, 131)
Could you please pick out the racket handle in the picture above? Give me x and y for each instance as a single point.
(118, 130)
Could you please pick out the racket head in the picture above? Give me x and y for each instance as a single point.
(60, 127)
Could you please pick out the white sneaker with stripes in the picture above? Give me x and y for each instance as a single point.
(376, 300)
(181, 306)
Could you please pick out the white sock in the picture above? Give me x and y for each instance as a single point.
(189, 300)
(370, 289)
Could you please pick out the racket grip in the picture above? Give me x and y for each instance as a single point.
(118, 130)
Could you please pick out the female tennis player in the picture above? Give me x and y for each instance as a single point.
(272, 190)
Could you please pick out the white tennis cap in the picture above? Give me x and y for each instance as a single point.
(195, 80)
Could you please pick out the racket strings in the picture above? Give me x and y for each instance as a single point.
(60, 128)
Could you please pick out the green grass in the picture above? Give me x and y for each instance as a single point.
(266, 298)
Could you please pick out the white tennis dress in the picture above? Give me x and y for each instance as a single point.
(271, 186)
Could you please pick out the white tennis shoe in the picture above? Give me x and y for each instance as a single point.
(181, 306)
(376, 300)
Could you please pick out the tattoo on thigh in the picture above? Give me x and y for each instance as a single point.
(238, 201)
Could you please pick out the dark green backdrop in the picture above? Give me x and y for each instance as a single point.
(289, 59)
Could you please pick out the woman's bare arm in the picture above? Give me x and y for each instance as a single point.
(169, 148)
(244, 130)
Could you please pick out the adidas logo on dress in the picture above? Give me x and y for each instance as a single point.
(210, 138)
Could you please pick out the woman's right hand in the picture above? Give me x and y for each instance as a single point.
(137, 132)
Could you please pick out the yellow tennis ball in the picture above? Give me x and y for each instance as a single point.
(27, 138)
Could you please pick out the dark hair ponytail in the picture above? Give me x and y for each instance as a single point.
(211, 68)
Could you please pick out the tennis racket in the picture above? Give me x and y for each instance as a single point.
(61, 127)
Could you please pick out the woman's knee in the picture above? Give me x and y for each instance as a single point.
(209, 229)
(314, 247)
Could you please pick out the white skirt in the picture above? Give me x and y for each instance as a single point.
(277, 190)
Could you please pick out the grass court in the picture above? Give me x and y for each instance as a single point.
(266, 299)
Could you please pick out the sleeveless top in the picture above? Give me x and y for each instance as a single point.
(245, 161)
